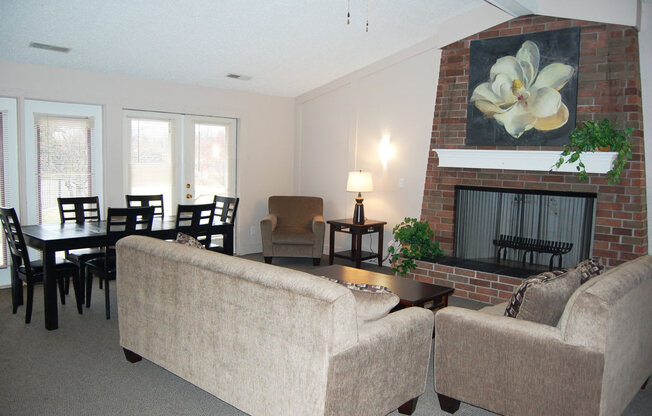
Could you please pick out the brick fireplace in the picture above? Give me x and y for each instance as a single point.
(609, 86)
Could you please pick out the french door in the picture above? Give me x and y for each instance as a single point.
(186, 158)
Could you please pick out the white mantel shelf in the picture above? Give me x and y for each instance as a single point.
(537, 160)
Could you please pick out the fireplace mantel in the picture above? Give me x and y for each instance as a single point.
(538, 160)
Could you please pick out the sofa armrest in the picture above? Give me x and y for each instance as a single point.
(386, 368)
(267, 227)
(512, 366)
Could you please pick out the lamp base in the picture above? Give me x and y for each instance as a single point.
(358, 211)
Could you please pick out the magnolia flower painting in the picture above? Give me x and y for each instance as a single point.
(523, 100)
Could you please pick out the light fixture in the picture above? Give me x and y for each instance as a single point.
(359, 182)
(385, 151)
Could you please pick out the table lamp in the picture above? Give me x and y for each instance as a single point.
(359, 182)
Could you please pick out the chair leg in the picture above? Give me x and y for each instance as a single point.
(107, 301)
(62, 290)
(89, 288)
(79, 292)
(30, 301)
(16, 292)
(67, 286)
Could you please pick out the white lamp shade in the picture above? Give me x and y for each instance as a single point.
(360, 182)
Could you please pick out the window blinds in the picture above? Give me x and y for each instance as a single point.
(64, 167)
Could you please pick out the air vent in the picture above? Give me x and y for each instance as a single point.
(47, 47)
(240, 77)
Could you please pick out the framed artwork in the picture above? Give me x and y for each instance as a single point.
(523, 89)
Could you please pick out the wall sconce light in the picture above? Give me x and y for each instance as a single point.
(385, 151)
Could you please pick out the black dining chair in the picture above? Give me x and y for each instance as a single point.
(120, 223)
(31, 272)
(226, 208)
(155, 201)
(80, 210)
(196, 221)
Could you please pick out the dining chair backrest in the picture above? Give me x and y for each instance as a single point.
(122, 222)
(15, 239)
(155, 201)
(225, 208)
(196, 220)
(79, 209)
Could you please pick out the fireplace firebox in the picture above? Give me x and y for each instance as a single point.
(530, 228)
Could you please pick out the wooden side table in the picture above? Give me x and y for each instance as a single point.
(357, 231)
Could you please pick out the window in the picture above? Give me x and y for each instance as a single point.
(63, 149)
(8, 172)
(151, 156)
(186, 158)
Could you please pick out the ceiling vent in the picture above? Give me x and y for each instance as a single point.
(240, 77)
(47, 47)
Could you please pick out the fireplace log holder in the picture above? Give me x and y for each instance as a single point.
(532, 245)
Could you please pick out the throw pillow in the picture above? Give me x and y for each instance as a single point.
(372, 302)
(188, 240)
(589, 268)
(542, 298)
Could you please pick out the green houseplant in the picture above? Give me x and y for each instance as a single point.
(413, 242)
(592, 136)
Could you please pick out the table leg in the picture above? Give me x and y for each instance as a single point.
(358, 249)
(331, 245)
(381, 243)
(50, 290)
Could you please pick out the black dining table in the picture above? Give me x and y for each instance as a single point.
(50, 238)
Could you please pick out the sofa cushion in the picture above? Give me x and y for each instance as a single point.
(188, 240)
(589, 268)
(292, 235)
(372, 302)
(542, 298)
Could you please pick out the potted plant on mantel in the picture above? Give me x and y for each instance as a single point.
(600, 136)
(413, 241)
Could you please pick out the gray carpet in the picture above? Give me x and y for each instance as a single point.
(80, 369)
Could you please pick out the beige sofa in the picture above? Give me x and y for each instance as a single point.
(592, 363)
(265, 339)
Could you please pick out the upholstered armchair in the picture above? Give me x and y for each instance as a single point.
(294, 228)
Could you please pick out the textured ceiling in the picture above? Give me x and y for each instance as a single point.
(288, 47)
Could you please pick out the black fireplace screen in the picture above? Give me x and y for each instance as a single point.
(482, 215)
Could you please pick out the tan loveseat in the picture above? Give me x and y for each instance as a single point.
(592, 362)
(265, 339)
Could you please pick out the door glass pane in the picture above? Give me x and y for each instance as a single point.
(64, 162)
(211, 162)
(150, 163)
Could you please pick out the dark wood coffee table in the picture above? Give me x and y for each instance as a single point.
(411, 292)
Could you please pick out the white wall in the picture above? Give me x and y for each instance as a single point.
(340, 125)
(340, 130)
(265, 131)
